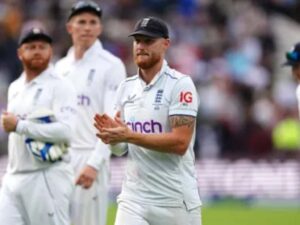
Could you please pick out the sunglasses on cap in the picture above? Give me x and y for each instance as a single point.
(293, 56)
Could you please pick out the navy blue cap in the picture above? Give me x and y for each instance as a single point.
(151, 27)
(34, 34)
(293, 56)
(85, 6)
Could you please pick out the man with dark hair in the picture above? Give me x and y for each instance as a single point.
(155, 123)
(38, 185)
(95, 74)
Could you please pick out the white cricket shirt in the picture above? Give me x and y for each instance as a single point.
(47, 91)
(95, 77)
(154, 177)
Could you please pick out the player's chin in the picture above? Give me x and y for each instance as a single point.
(143, 64)
(39, 64)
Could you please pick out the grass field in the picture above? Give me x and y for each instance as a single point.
(232, 214)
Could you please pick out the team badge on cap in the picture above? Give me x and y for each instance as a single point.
(145, 22)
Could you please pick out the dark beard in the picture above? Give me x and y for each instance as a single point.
(147, 64)
(38, 68)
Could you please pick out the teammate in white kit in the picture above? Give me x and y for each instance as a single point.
(33, 191)
(155, 122)
(96, 74)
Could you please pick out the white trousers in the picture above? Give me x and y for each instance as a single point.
(132, 213)
(35, 198)
(89, 206)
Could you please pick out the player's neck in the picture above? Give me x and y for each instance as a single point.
(79, 51)
(31, 74)
(148, 74)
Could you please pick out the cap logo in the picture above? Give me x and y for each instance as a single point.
(145, 22)
(36, 31)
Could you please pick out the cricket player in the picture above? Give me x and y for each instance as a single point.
(156, 123)
(293, 60)
(34, 191)
(96, 74)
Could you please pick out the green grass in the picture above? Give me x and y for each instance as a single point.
(232, 214)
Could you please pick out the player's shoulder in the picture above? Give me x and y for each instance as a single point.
(175, 77)
(61, 64)
(16, 83)
(57, 80)
(130, 80)
(109, 58)
(174, 74)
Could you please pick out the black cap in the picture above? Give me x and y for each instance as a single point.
(293, 56)
(35, 33)
(151, 27)
(85, 6)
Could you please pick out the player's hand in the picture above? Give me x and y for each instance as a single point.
(9, 121)
(104, 121)
(87, 177)
(115, 135)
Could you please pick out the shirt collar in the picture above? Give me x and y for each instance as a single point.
(156, 77)
(39, 79)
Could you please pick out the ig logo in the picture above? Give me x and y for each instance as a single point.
(186, 97)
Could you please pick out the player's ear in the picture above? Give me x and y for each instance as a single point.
(69, 27)
(166, 43)
(100, 28)
(51, 50)
(19, 52)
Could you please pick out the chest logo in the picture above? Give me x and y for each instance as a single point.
(158, 98)
(83, 100)
(159, 95)
(37, 95)
(130, 98)
(90, 77)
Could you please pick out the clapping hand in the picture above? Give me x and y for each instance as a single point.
(111, 131)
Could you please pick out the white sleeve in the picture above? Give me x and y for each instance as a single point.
(184, 98)
(113, 77)
(101, 153)
(298, 98)
(120, 148)
(64, 108)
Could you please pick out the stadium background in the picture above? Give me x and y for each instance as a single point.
(248, 145)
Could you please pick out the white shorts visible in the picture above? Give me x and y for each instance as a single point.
(39, 197)
(132, 213)
(89, 206)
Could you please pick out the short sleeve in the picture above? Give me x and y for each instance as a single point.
(184, 98)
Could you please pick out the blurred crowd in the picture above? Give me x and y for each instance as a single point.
(227, 47)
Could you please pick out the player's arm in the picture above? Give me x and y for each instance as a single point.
(176, 141)
(105, 121)
(182, 117)
(64, 110)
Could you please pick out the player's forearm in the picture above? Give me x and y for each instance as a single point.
(166, 142)
(53, 132)
(100, 154)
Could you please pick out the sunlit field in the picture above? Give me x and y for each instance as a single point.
(234, 214)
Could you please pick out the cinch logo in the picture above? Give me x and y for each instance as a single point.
(83, 100)
(186, 97)
(146, 127)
